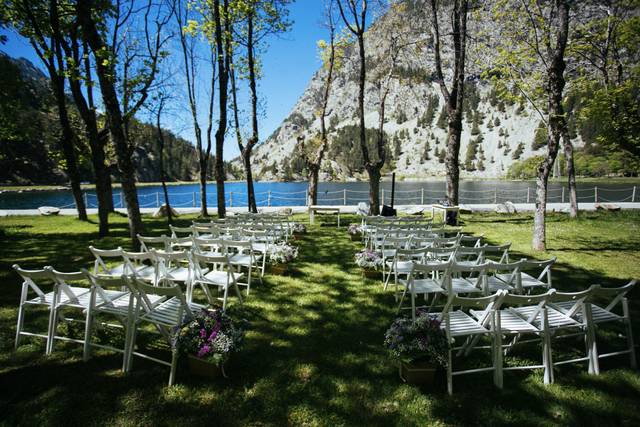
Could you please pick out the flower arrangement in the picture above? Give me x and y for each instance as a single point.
(299, 228)
(368, 259)
(211, 335)
(421, 340)
(283, 254)
(354, 229)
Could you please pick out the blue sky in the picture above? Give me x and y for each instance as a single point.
(288, 64)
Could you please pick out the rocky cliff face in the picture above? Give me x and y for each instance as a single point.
(495, 133)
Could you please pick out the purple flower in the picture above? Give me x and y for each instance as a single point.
(204, 351)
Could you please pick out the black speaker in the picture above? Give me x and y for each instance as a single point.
(388, 211)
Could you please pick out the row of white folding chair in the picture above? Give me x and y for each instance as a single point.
(179, 267)
(546, 316)
(132, 305)
(431, 274)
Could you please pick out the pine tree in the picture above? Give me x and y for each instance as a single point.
(442, 119)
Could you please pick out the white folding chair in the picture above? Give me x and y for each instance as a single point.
(173, 268)
(220, 276)
(503, 276)
(147, 243)
(100, 266)
(498, 253)
(140, 264)
(165, 317)
(242, 256)
(31, 282)
(402, 264)
(68, 296)
(429, 279)
(467, 279)
(540, 276)
(615, 311)
(510, 322)
(459, 325)
(181, 231)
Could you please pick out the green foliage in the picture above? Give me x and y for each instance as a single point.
(426, 119)
(472, 150)
(401, 117)
(345, 149)
(475, 129)
(443, 118)
(441, 155)
(540, 138)
(518, 151)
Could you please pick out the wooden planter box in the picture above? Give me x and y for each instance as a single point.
(279, 269)
(422, 373)
(356, 237)
(203, 368)
(370, 274)
(298, 236)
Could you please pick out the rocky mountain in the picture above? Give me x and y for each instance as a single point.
(495, 135)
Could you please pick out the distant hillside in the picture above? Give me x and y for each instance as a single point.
(29, 152)
(495, 135)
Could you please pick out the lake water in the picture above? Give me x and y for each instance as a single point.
(335, 193)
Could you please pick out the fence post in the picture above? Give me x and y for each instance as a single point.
(306, 197)
(495, 195)
(86, 202)
(422, 196)
(194, 199)
(121, 200)
(563, 194)
(383, 196)
(157, 199)
(528, 191)
(269, 198)
(230, 199)
(633, 195)
(344, 197)
(595, 193)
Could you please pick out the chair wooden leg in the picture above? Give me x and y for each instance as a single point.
(497, 348)
(174, 364)
(547, 359)
(53, 326)
(450, 374)
(19, 325)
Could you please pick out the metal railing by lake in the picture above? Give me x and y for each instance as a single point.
(346, 197)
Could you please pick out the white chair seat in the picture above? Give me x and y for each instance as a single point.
(510, 322)
(495, 283)
(178, 274)
(402, 267)
(118, 270)
(388, 253)
(82, 294)
(424, 286)
(555, 318)
(463, 286)
(167, 312)
(467, 263)
(220, 277)
(598, 314)
(261, 247)
(529, 281)
(244, 259)
(120, 305)
(463, 324)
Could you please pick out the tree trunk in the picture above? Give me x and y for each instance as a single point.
(163, 175)
(571, 173)
(223, 67)
(66, 143)
(556, 123)
(374, 190)
(115, 120)
(313, 185)
(452, 161)
(204, 212)
(251, 196)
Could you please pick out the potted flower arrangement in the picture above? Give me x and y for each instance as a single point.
(298, 230)
(280, 256)
(420, 347)
(355, 231)
(208, 340)
(369, 261)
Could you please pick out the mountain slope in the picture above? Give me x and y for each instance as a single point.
(495, 134)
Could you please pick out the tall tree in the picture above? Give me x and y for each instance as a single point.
(39, 21)
(453, 95)
(314, 153)
(531, 57)
(161, 99)
(189, 29)
(222, 31)
(354, 15)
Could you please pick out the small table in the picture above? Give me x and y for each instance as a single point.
(445, 209)
(314, 209)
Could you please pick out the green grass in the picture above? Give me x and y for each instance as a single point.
(313, 353)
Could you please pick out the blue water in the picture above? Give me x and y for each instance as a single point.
(332, 193)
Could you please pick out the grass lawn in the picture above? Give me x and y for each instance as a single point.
(313, 353)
